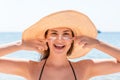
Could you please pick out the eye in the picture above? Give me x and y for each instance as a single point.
(66, 34)
(53, 33)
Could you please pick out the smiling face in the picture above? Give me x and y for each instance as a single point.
(59, 39)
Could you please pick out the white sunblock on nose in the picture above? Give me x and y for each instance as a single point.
(60, 37)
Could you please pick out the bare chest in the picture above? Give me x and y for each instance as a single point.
(58, 73)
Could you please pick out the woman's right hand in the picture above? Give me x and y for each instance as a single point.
(36, 45)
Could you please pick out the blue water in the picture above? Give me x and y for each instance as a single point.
(112, 38)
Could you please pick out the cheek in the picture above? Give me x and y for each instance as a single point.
(68, 43)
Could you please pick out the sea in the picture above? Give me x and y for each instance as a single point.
(112, 38)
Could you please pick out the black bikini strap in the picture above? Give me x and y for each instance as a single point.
(42, 70)
(69, 63)
(73, 70)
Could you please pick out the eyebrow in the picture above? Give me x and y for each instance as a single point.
(67, 31)
(53, 30)
(63, 31)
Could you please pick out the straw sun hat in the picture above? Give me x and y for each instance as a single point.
(79, 23)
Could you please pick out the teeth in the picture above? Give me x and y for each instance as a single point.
(60, 45)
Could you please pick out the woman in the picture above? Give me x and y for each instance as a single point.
(58, 37)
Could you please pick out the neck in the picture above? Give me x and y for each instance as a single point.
(57, 59)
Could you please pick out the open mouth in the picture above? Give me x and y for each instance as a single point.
(59, 46)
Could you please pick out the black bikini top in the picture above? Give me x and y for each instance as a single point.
(70, 66)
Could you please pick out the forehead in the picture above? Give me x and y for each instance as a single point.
(60, 29)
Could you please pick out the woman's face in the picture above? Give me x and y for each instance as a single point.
(59, 40)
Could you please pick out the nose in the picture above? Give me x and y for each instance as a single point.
(59, 37)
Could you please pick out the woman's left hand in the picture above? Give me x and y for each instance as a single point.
(86, 42)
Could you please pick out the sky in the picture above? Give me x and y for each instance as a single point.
(17, 15)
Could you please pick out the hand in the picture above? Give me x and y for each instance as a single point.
(37, 45)
(86, 42)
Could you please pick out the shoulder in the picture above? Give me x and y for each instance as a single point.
(35, 64)
(87, 62)
(92, 62)
(17, 63)
(14, 66)
(82, 67)
(83, 64)
(31, 62)
(35, 67)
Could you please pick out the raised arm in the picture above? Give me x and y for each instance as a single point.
(18, 67)
(109, 49)
(10, 47)
(88, 42)
(15, 67)
(101, 66)
(35, 45)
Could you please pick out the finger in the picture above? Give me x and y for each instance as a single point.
(40, 48)
(39, 43)
(42, 43)
(82, 43)
(75, 38)
(85, 45)
(41, 40)
(78, 38)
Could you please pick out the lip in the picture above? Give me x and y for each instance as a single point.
(59, 46)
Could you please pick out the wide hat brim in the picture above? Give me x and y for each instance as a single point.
(79, 23)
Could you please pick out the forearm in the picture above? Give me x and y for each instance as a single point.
(9, 48)
(110, 50)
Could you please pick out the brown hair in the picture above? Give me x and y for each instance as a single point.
(47, 52)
